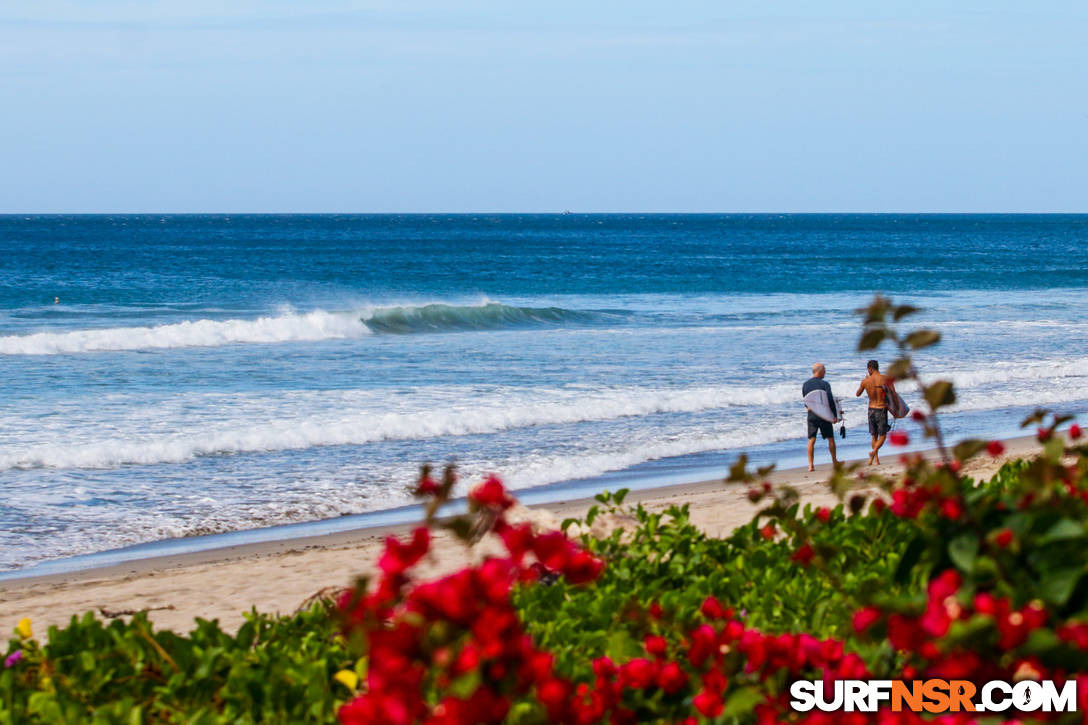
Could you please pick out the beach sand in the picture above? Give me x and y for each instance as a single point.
(279, 576)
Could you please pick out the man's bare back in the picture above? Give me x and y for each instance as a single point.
(874, 386)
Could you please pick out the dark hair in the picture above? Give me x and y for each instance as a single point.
(874, 365)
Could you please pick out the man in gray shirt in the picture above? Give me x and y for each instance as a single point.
(817, 424)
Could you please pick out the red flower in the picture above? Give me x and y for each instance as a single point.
(918, 416)
(491, 493)
(582, 567)
(1075, 432)
(703, 644)
(823, 514)
(898, 438)
(767, 532)
(1043, 434)
(427, 486)
(944, 585)
(708, 705)
(995, 448)
(672, 678)
(399, 557)
(904, 633)
(865, 618)
(1003, 538)
(803, 555)
(712, 609)
(553, 550)
(656, 611)
(638, 673)
(553, 695)
(951, 508)
(518, 539)
(656, 645)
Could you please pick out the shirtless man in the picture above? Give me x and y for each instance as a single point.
(874, 384)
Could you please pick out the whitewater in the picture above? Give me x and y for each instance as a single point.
(202, 375)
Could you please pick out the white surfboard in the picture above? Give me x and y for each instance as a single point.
(819, 402)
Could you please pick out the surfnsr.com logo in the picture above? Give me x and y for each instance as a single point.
(934, 696)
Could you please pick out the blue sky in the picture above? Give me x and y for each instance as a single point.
(329, 105)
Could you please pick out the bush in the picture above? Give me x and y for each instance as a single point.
(275, 669)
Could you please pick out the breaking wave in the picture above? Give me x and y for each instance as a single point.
(291, 326)
(488, 316)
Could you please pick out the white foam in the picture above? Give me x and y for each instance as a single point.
(540, 470)
(370, 424)
(286, 327)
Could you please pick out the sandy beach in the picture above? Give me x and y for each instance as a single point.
(279, 576)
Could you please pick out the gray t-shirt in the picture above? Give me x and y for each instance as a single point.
(821, 384)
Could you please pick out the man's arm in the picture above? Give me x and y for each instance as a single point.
(861, 389)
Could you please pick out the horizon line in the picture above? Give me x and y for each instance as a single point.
(540, 213)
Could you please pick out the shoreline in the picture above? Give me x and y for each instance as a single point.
(279, 575)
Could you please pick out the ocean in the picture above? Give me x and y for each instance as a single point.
(210, 374)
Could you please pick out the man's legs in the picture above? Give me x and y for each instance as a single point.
(812, 450)
(874, 455)
(831, 449)
(878, 429)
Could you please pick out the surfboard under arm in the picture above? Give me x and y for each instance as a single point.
(820, 403)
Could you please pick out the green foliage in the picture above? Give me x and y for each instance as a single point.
(275, 669)
(667, 560)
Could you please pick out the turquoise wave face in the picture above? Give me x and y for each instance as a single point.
(211, 374)
(487, 316)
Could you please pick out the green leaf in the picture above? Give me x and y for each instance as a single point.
(619, 495)
(1041, 641)
(466, 684)
(738, 472)
(1057, 585)
(743, 700)
(1036, 417)
(871, 339)
(622, 647)
(923, 338)
(902, 311)
(877, 309)
(939, 393)
(899, 369)
(1054, 449)
(967, 448)
(910, 559)
(1063, 530)
(963, 549)
(87, 661)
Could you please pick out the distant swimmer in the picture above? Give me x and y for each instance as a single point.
(823, 412)
(876, 385)
(56, 300)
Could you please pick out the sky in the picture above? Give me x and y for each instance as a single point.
(608, 106)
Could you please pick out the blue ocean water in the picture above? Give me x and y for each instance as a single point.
(204, 374)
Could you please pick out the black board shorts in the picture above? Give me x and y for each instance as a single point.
(825, 427)
(878, 422)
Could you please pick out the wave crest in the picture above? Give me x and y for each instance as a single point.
(488, 316)
(291, 327)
